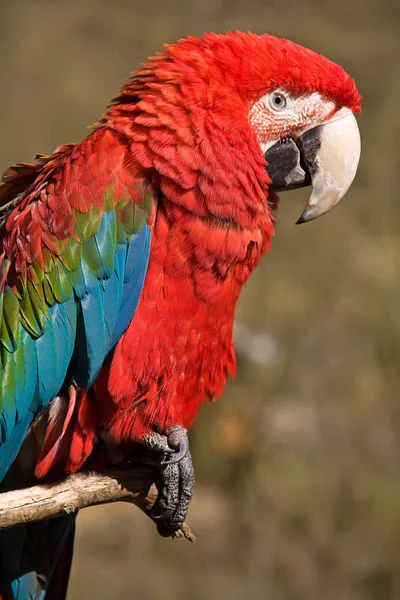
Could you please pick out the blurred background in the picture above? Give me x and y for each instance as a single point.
(298, 466)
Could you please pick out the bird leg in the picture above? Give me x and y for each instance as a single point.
(170, 453)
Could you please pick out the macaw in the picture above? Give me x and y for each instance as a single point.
(123, 256)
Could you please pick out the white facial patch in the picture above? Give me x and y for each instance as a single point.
(298, 114)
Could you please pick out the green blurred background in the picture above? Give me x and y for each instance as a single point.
(298, 470)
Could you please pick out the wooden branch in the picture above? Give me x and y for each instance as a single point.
(48, 501)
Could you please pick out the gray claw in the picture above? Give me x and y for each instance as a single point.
(179, 453)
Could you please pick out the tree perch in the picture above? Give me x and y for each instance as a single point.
(48, 501)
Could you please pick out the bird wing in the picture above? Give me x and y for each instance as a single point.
(74, 251)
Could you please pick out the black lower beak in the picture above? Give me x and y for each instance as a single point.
(291, 163)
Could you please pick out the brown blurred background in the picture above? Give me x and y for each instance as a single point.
(298, 466)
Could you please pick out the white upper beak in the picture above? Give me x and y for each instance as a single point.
(335, 164)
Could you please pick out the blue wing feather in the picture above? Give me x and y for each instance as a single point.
(137, 260)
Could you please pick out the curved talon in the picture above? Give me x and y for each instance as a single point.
(163, 523)
(180, 453)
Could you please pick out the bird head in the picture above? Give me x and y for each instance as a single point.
(306, 127)
(245, 100)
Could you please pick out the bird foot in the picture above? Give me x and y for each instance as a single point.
(170, 453)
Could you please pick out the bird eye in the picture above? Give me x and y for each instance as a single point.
(277, 101)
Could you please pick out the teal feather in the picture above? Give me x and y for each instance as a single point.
(134, 273)
(106, 239)
(77, 280)
(93, 333)
(46, 349)
(9, 396)
(26, 384)
(20, 563)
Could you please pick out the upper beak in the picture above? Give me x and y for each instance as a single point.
(325, 156)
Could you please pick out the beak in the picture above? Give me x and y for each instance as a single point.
(325, 157)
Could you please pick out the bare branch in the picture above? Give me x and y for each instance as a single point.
(47, 501)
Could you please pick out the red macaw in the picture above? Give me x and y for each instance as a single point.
(123, 256)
